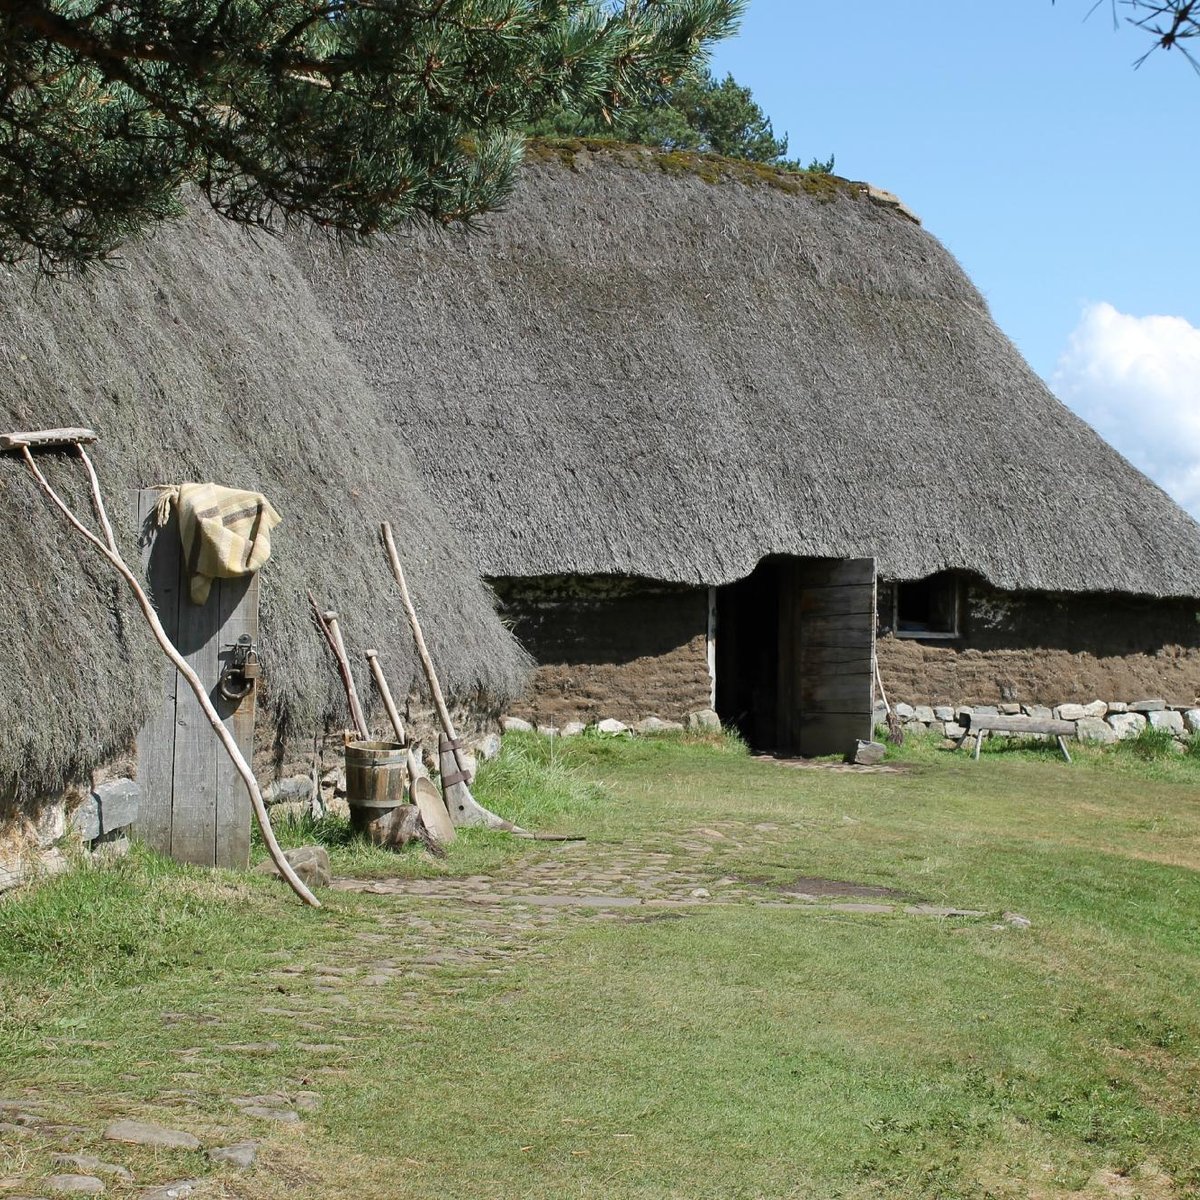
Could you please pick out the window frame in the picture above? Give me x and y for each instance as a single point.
(953, 580)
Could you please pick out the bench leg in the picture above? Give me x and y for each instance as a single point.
(1062, 745)
(978, 743)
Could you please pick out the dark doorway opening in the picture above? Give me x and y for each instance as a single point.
(795, 646)
(747, 658)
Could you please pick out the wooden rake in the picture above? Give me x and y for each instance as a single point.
(76, 439)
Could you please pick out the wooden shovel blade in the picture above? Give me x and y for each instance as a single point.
(428, 799)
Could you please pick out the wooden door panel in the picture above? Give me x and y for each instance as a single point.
(194, 805)
(826, 654)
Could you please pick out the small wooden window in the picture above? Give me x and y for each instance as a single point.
(927, 608)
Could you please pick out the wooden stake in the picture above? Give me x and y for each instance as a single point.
(464, 808)
(109, 550)
(327, 623)
(356, 710)
(385, 694)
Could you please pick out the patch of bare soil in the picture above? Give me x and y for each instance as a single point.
(837, 768)
(814, 885)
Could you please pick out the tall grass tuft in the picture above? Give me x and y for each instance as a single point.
(1150, 744)
(531, 783)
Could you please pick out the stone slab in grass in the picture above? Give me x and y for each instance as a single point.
(180, 1189)
(91, 1165)
(240, 1154)
(75, 1185)
(157, 1137)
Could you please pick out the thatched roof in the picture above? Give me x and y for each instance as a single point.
(207, 358)
(661, 367)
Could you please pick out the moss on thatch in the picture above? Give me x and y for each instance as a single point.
(205, 357)
(575, 154)
(634, 371)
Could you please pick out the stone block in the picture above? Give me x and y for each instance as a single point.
(1147, 706)
(652, 725)
(1039, 712)
(1097, 708)
(952, 729)
(75, 1185)
(1070, 712)
(985, 710)
(867, 754)
(572, 729)
(1118, 706)
(924, 714)
(291, 790)
(86, 819)
(157, 1137)
(611, 726)
(51, 824)
(1095, 729)
(240, 1154)
(1126, 725)
(548, 730)
(943, 712)
(1010, 709)
(704, 721)
(488, 747)
(1167, 719)
(1191, 720)
(905, 712)
(915, 727)
(311, 864)
(515, 725)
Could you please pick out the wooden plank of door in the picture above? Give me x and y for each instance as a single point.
(787, 695)
(836, 659)
(828, 690)
(835, 687)
(831, 732)
(839, 572)
(156, 740)
(194, 813)
(833, 633)
(237, 614)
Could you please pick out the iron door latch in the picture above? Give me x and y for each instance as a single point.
(241, 670)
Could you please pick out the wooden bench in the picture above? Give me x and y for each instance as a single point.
(979, 725)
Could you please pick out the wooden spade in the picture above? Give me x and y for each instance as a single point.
(424, 794)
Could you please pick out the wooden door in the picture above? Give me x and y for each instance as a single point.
(194, 805)
(826, 654)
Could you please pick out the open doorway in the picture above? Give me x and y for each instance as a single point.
(794, 655)
(747, 656)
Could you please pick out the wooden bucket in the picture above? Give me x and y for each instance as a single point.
(375, 779)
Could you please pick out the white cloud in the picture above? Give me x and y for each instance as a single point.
(1137, 381)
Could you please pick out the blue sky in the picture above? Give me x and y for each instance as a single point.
(1066, 182)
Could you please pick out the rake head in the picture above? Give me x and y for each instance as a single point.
(47, 439)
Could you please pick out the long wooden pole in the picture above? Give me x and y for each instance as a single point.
(385, 694)
(464, 809)
(435, 688)
(411, 761)
(339, 656)
(113, 555)
(339, 649)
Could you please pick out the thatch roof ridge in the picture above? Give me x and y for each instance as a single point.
(203, 357)
(637, 370)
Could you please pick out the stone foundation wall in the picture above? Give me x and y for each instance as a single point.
(624, 649)
(1104, 721)
(1042, 649)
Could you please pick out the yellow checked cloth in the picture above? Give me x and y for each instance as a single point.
(226, 532)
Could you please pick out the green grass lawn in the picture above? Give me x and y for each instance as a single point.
(717, 1050)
